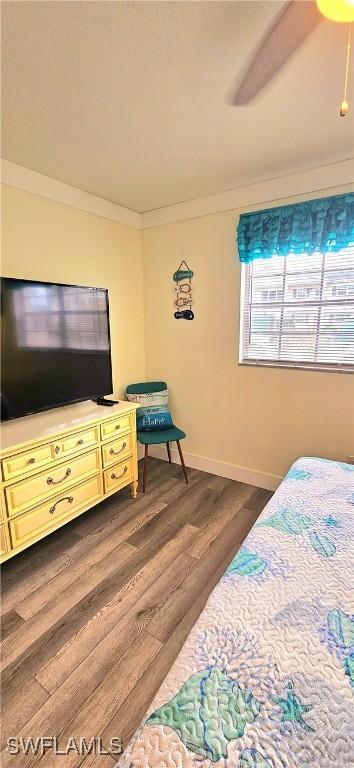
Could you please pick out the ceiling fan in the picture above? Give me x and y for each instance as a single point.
(292, 26)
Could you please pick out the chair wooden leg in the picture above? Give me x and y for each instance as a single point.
(145, 466)
(168, 452)
(182, 461)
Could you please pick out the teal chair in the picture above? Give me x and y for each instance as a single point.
(159, 436)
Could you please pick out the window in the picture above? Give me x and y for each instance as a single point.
(298, 310)
(343, 290)
(271, 295)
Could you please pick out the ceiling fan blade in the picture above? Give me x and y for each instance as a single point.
(293, 25)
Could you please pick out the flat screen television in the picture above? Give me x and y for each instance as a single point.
(55, 346)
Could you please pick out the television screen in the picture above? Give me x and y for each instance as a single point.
(55, 346)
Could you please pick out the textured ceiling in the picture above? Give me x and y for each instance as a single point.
(127, 100)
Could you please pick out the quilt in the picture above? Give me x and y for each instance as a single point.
(266, 676)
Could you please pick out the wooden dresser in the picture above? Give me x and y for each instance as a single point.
(56, 465)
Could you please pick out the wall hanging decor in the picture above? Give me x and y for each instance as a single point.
(183, 302)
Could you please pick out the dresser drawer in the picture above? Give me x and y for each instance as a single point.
(46, 515)
(79, 441)
(29, 492)
(28, 461)
(4, 548)
(118, 476)
(117, 450)
(113, 428)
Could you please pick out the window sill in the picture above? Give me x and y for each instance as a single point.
(298, 366)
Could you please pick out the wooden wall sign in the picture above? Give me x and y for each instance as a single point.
(183, 302)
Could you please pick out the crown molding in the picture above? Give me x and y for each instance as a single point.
(315, 180)
(30, 181)
(333, 177)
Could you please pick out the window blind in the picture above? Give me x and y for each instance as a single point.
(298, 310)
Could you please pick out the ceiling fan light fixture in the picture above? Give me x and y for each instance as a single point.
(337, 10)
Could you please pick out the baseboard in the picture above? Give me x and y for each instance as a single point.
(221, 468)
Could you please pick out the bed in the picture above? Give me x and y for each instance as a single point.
(266, 676)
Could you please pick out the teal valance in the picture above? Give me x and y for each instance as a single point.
(322, 225)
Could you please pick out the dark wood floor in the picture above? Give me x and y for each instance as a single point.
(95, 614)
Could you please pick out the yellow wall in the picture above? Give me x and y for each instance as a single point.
(45, 240)
(258, 418)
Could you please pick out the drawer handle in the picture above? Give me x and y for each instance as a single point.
(70, 499)
(115, 453)
(117, 426)
(57, 449)
(80, 442)
(31, 461)
(51, 481)
(117, 477)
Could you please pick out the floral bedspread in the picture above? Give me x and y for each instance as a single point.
(266, 676)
